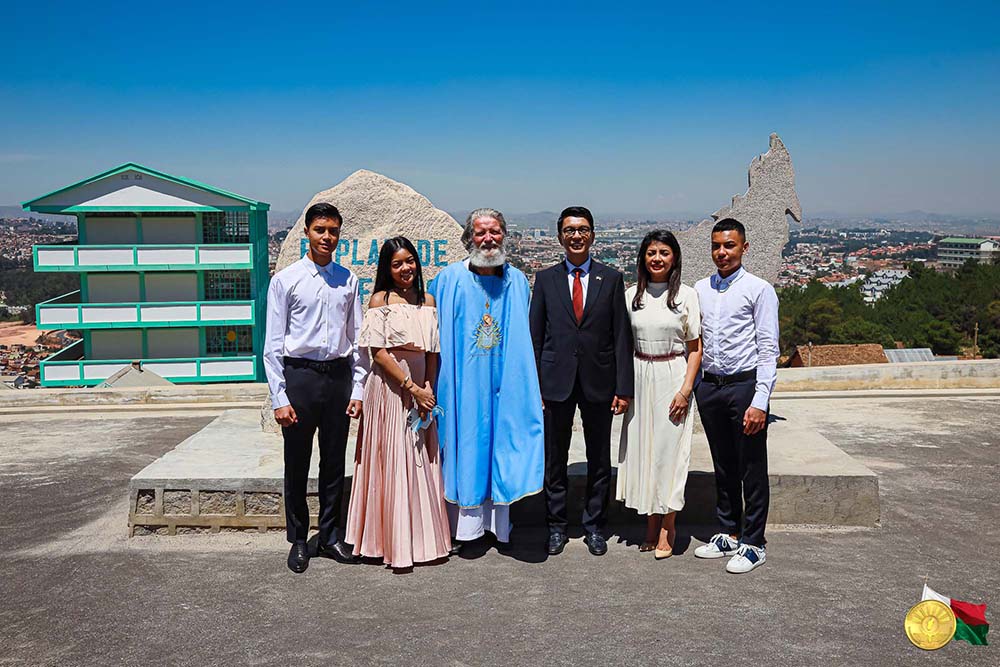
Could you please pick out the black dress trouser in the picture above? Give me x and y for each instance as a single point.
(319, 398)
(741, 483)
(596, 418)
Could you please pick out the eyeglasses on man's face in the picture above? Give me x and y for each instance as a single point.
(582, 232)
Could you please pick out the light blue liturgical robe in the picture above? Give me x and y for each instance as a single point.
(491, 434)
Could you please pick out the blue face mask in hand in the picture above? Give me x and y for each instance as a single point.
(414, 421)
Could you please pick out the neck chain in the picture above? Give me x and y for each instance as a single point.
(487, 334)
(404, 293)
(475, 278)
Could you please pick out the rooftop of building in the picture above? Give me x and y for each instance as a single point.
(906, 355)
(162, 192)
(962, 240)
(837, 355)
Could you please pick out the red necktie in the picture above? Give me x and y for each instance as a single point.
(577, 295)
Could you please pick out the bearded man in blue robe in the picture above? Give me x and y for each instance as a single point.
(492, 434)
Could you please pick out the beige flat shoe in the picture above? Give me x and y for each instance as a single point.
(660, 554)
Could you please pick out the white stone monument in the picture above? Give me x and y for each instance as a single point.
(376, 208)
(762, 210)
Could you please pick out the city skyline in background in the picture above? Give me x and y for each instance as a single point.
(646, 113)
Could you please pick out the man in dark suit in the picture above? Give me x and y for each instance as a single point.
(583, 347)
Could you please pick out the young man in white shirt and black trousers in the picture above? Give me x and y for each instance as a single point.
(315, 372)
(739, 320)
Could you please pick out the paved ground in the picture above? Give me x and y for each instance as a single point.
(74, 591)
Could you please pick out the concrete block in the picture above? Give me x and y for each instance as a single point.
(926, 375)
(136, 397)
(237, 470)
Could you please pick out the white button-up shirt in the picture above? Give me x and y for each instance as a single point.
(584, 276)
(739, 329)
(313, 312)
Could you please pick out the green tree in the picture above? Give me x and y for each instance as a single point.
(819, 318)
(992, 314)
(857, 330)
(989, 331)
(940, 336)
(929, 309)
(989, 344)
(24, 287)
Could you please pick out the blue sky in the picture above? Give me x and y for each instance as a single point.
(627, 108)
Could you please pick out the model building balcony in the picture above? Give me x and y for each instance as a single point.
(143, 257)
(66, 312)
(69, 368)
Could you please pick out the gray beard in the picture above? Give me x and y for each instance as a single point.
(479, 259)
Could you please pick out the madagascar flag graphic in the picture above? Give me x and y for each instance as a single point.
(970, 618)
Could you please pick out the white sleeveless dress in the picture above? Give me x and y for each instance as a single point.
(655, 453)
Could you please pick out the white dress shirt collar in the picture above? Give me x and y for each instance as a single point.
(571, 267)
(314, 268)
(721, 284)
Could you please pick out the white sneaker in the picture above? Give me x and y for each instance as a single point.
(720, 545)
(747, 558)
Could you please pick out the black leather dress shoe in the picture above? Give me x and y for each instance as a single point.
(597, 544)
(298, 557)
(456, 548)
(339, 552)
(557, 542)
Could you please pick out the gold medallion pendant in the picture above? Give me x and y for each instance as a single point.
(930, 624)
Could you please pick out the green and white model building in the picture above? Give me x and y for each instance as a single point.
(173, 275)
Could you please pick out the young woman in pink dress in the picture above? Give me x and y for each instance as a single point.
(397, 510)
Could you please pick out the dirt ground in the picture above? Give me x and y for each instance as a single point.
(15, 333)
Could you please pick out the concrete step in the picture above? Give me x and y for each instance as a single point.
(109, 398)
(229, 475)
(152, 408)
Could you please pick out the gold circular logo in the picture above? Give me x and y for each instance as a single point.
(230, 335)
(930, 624)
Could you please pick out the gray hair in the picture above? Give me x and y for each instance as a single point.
(482, 213)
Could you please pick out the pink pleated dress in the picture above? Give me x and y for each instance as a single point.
(397, 509)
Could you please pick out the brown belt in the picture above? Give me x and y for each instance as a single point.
(657, 357)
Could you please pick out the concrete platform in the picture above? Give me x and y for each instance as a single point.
(65, 555)
(133, 399)
(229, 475)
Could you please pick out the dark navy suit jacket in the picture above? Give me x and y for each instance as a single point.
(598, 350)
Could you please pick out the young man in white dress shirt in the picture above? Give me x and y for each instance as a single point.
(315, 372)
(739, 367)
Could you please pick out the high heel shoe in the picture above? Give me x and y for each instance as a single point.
(660, 554)
(647, 546)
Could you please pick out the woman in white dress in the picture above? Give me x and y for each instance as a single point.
(655, 450)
